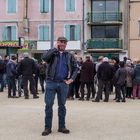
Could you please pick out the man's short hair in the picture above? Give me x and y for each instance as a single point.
(13, 57)
(62, 38)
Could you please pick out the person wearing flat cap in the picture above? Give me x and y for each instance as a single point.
(61, 71)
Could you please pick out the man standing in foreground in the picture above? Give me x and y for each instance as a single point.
(61, 71)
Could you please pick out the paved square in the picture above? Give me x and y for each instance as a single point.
(22, 119)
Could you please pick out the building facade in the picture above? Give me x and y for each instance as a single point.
(98, 27)
(107, 25)
(134, 27)
(30, 20)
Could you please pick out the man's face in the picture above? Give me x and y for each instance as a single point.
(61, 45)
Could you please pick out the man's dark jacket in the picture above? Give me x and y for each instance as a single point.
(105, 72)
(51, 58)
(26, 67)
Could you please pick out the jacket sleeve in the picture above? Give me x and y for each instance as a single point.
(74, 68)
(49, 55)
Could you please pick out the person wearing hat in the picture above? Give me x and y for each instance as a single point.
(61, 71)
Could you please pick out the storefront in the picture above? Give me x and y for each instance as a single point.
(9, 47)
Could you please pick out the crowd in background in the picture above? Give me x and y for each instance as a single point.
(16, 74)
(95, 80)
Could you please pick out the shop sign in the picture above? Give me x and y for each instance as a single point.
(12, 44)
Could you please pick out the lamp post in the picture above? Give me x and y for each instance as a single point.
(52, 23)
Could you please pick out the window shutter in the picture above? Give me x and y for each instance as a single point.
(67, 31)
(40, 32)
(72, 5)
(68, 5)
(46, 33)
(41, 6)
(4, 33)
(11, 6)
(46, 7)
(77, 32)
(13, 33)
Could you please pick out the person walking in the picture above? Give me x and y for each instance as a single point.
(61, 71)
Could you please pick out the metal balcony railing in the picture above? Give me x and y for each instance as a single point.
(104, 43)
(95, 17)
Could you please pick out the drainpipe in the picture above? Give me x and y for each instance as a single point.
(26, 9)
(83, 27)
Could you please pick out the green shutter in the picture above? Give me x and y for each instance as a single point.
(72, 5)
(77, 32)
(44, 6)
(11, 6)
(46, 33)
(4, 33)
(13, 33)
(41, 6)
(68, 5)
(67, 31)
(41, 33)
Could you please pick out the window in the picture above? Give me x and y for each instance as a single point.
(11, 6)
(139, 27)
(105, 32)
(9, 33)
(44, 6)
(72, 32)
(105, 5)
(70, 5)
(44, 33)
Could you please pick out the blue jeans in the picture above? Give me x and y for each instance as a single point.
(62, 91)
(11, 86)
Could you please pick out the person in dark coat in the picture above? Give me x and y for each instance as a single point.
(87, 77)
(104, 75)
(136, 81)
(2, 68)
(120, 82)
(27, 69)
(11, 76)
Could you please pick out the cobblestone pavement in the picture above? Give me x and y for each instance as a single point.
(22, 119)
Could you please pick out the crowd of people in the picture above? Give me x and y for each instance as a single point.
(16, 74)
(105, 76)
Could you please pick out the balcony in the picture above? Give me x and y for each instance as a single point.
(104, 44)
(97, 18)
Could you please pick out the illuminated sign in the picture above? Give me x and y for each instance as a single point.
(13, 44)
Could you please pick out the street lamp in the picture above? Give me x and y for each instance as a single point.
(52, 23)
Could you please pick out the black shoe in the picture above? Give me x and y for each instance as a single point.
(81, 99)
(46, 132)
(105, 100)
(15, 96)
(26, 97)
(9, 96)
(35, 97)
(64, 130)
(123, 100)
(117, 100)
(95, 101)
